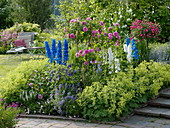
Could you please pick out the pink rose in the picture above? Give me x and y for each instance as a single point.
(110, 37)
(73, 20)
(116, 24)
(80, 51)
(85, 29)
(72, 36)
(91, 50)
(84, 22)
(115, 33)
(86, 51)
(101, 23)
(85, 63)
(88, 18)
(77, 54)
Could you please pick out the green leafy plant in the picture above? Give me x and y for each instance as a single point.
(124, 92)
(8, 118)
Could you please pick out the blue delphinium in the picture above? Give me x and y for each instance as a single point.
(54, 49)
(48, 51)
(134, 50)
(65, 51)
(127, 41)
(59, 53)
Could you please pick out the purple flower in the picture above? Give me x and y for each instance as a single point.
(116, 24)
(80, 51)
(93, 31)
(118, 37)
(99, 36)
(84, 22)
(105, 33)
(85, 63)
(40, 96)
(110, 37)
(72, 36)
(86, 51)
(117, 43)
(5, 104)
(93, 35)
(1, 99)
(110, 34)
(115, 34)
(85, 29)
(82, 54)
(101, 23)
(98, 49)
(91, 50)
(31, 84)
(73, 20)
(77, 54)
(42, 78)
(99, 31)
(88, 18)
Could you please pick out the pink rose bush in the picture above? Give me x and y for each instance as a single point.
(92, 32)
(145, 30)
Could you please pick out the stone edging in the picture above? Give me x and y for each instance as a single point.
(65, 118)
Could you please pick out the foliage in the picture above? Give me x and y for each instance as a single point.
(8, 116)
(160, 53)
(32, 11)
(124, 92)
(6, 20)
(25, 27)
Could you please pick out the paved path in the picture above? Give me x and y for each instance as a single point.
(132, 122)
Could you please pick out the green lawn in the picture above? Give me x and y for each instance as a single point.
(9, 63)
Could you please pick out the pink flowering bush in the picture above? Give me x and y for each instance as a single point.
(145, 30)
(6, 37)
(92, 33)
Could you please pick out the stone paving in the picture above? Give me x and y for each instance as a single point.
(132, 122)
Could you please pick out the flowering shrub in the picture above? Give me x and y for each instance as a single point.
(92, 33)
(6, 37)
(145, 30)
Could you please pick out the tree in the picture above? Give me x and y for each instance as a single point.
(6, 20)
(34, 11)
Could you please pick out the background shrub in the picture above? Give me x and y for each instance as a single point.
(160, 53)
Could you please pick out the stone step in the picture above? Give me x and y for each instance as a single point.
(165, 93)
(154, 111)
(160, 102)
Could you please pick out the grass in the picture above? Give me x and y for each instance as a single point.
(9, 63)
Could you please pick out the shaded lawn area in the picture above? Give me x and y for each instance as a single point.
(9, 64)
